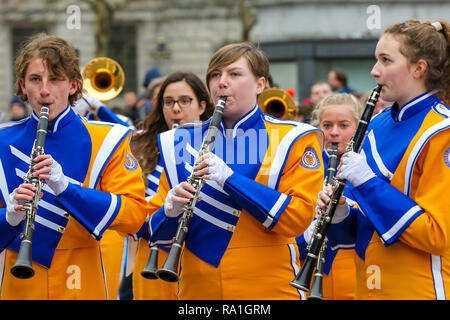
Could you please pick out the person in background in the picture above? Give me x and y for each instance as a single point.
(337, 79)
(17, 109)
(181, 98)
(337, 115)
(130, 109)
(318, 91)
(144, 104)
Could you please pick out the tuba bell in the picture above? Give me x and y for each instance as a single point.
(277, 103)
(103, 78)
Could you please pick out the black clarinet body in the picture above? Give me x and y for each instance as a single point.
(317, 285)
(23, 269)
(169, 271)
(149, 271)
(303, 279)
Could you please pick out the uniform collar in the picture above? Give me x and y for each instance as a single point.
(243, 124)
(413, 107)
(59, 122)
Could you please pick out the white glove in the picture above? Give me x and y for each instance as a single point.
(86, 104)
(12, 216)
(58, 181)
(355, 169)
(176, 198)
(216, 169)
(309, 232)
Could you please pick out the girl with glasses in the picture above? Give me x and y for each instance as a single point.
(181, 98)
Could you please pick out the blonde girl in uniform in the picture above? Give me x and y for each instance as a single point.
(337, 115)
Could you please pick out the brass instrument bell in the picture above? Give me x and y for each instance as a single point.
(103, 78)
(277, 103)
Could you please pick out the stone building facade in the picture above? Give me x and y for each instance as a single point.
(302, 38)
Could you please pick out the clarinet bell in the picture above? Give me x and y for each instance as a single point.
(22, 269)
(150, 269)
(168, 272)
(316, 289)
(303, 279)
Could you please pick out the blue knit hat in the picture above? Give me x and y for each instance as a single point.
(151, 74)
(17, 100)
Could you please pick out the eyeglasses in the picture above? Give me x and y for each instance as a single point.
(183, 102)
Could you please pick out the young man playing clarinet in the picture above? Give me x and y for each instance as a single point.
(92, 181)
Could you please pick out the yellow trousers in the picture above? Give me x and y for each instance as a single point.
(340, 283)
(148, 289)
(112, 244)
(63, 281)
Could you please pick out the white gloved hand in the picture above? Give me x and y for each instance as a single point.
(214, 168)
(12, 216)
(342, 211)
(355, 169)
(310, 231)
(86, 104)
(176, 198)
(57, 181)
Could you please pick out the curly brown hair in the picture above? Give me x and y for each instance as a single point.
(145, 143)
(60, 57)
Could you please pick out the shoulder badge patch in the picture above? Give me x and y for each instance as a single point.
(447, 157)
(131, 163)
(310, 160)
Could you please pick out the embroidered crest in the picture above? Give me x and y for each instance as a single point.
(447, 157)
(310, 160)
(131, 163)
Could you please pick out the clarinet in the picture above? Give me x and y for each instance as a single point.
(317, 285)
(149, 272)
(169, 270)
(22, 269)
(303, 279)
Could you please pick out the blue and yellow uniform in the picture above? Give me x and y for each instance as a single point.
(339, 269)
(151, 289)
(241, 239)
(105, 191)
(402, 231)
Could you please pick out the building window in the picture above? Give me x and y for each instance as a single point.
(122, 48)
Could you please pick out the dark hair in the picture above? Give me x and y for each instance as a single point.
(60, 57)
(425, 41)
(145, 141)
(341, 76)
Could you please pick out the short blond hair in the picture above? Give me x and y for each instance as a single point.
(337, 99)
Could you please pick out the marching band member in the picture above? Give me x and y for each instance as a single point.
(113, 243)
(337, 115)
(261, 181)
(93, 182)
(182, 98)
(399, 179)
